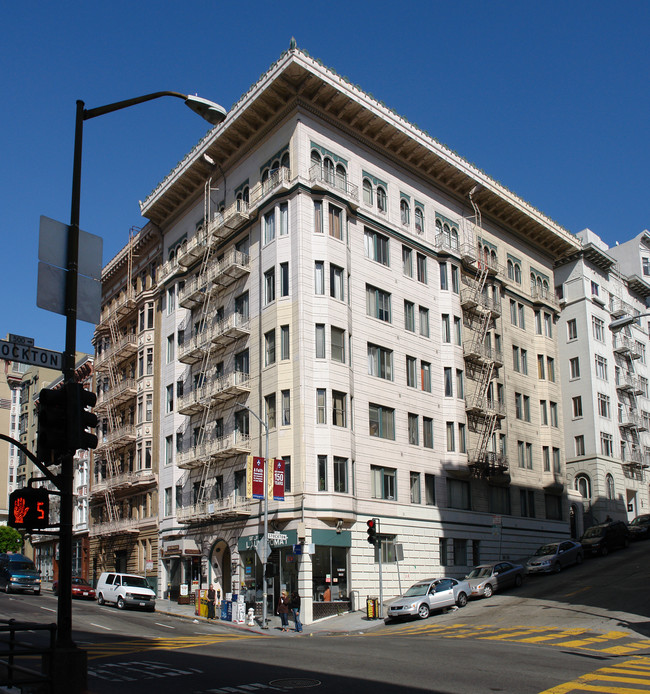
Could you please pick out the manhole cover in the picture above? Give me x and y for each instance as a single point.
(295, 683)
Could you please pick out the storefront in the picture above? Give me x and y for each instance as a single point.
(182, 570)
(330, 572)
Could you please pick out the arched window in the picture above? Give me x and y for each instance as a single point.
(493, 259)
(286, 161)
(454, 238)
(367, 192)
(275, 166)
(609, 487)
(532, 282)
(316, 164)
(341, 177)
(517, 273)
(438, 230)
(511, 270)
(419, 220)
(446, 233)
(328, 170)
(405, 212)
(381, 199)
(265, 180)
(583, 485)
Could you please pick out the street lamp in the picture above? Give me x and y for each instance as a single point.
(265, 424)
(214, 114)
(620, 323)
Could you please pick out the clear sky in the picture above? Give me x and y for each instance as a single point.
(551, 99)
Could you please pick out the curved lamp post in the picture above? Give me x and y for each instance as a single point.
(620, 323)
(214, 114)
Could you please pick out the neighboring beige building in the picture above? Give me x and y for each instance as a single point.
(388, 307)
(123, 484)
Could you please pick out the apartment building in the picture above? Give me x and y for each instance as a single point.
(605, 378)
(123, 485)
(336, 272)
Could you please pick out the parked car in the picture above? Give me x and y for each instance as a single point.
(555, 556)
(125, 590)
(80, 588)
(18, 573)
(428, 595)
(488, 578)
(602, 539)
(639, 528)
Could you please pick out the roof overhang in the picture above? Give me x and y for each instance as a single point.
(297, 81)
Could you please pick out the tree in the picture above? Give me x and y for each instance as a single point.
(10, 539)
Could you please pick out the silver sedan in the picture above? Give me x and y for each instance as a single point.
(555, 556)
(428, 595)
(488, 578)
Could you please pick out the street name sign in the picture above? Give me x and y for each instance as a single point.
(27, 354)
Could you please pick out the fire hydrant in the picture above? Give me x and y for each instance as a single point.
(251, 617)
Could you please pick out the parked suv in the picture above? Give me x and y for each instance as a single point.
(17, 572)
(125, 590)
(602, 539)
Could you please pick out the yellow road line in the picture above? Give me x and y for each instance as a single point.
(609, 636)
(557, 635)
(601, 680)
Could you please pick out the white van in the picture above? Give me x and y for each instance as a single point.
(125, 590)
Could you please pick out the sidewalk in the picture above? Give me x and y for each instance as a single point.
(349, 622)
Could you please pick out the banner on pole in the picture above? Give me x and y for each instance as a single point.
(278, 479)
(254, 477)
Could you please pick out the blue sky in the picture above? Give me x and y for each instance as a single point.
(551, 99)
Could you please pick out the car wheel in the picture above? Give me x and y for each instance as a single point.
(579, 559)
(100, 599)
(461, 600)
(423, 611)
(120, 603)
(518, 580)
(487, 591)
(7, 588)
(557, 568)
(604, 551)
(37, 591)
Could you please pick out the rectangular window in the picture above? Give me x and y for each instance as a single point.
(425, 375)
(336, 282)
(287, 473)
(462, 438)
(284, 219)
(553, 506)
(427, 432)
(422, 268)
(381, 421)
(598, 328)
(543, 413)
(429, 489)
(168, 501)
(284, 279)
(579, 445)
(521, 316)
(376, 246)
(409, 316)
(541, 370)
(378, 303)
(448, 382)
(577, 406)
(269, 348)
(513, 312)
(458, 494)
(340, 475)
(546, 458)
(424, 321)
(601, 367)
(339, 409)
(550, 369)
(444, 281)
(499, 500)
(443, 547)
(170, 349)
(269, 286)
(319, 277)
(380, 362)
(169, 450)
(606, 444)
(556, 460)
(338, 344)
(320, 341)
(460, 384)
(411, 372)
(519, 409)
(286, 408)
(285, 349)
(384, 482)
(574, 367)
(171, 300)
(321, 406)
(269, 226)
(527, 502)
(335, 221)
(407, 261)
(548, 325)
(322, 473)
(451, 437)
(516, 362)
(416, 496)
(458, 331)
(414, 438)
(604, 405)
(446, 328)
(455, 279)
(521, 457)
(318, 216)
(554, 414)
(529, 456)
(269, 403)
(572, 329)
(170, 399)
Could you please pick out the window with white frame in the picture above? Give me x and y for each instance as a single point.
(598, 328)
(269, 347)
(381, 421)
(413, 429)
(376, 246)
(407, 261)
(321, 406)
(380, 362)
(409, 316)
(378, 303)
(337, 344)
(320, 341)
(384, 482)
(269, 286)
(269, 226)
(411, 372)
(601, 367)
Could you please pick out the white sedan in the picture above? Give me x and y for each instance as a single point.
(428, 595)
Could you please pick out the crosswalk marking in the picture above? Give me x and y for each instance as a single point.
(626, 675)
(609, 636)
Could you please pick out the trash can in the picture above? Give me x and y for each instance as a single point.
(372, 608)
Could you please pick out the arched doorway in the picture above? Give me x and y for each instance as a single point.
(221, 568)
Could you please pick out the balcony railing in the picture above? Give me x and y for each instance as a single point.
(544, 295)
(229, 507)
(487, 463)
(118, 436)
(233, 265)
(125, 480)
(195, 401)
(230, 385)
(121, 392)
(626, 381)
(194, 348)
(232, 218)
(125, 347)
(193, 249)
(230, 329)
(125, 526)
(326, 180)
(194, 292)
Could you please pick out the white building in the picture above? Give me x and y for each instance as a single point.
(605, 378)
(335, 269)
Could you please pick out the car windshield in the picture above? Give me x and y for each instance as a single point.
(594, 532)
(78, 582)
(417, 589)
(480, 572)
(641, 520)
(22, 566)
(546, 549)
(134, 582)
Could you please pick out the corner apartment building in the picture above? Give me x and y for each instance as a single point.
(337, 272)
(605, 378)
(123, 485)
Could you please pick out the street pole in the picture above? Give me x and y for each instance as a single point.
(265, 424)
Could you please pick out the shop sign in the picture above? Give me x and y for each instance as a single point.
(184, 589)
(192, 552)
(278, 539)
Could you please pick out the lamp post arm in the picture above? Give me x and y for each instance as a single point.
(118, 105)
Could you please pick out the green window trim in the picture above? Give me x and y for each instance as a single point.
(375, 181)
(489, 244)
(177, 244)
(277, 155)
(539, 275)
(514, 259)
(241, 186)
(446, 220)
(419, 204)
(326, 153)
(404, 196)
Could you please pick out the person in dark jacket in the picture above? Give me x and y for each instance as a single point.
(211, 598)
(294, 606)
(283, 610)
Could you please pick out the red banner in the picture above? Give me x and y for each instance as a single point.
(278, 479)
(258, 478)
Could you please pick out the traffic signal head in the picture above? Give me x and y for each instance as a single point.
(80, 418)
(372, 531)
(52, 439)
(29, 508)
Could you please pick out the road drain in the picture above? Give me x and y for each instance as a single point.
(295, 683)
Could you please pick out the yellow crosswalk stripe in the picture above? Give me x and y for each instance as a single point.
(605, 679)
(609, 636)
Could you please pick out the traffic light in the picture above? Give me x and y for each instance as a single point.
(80, 418)
(29, 508)
(52, 439)
(373, 526)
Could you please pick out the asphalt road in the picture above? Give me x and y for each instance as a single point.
(549, 632)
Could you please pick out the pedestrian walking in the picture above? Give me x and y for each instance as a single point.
(212, 594)
(283, 610)
(294, 605)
